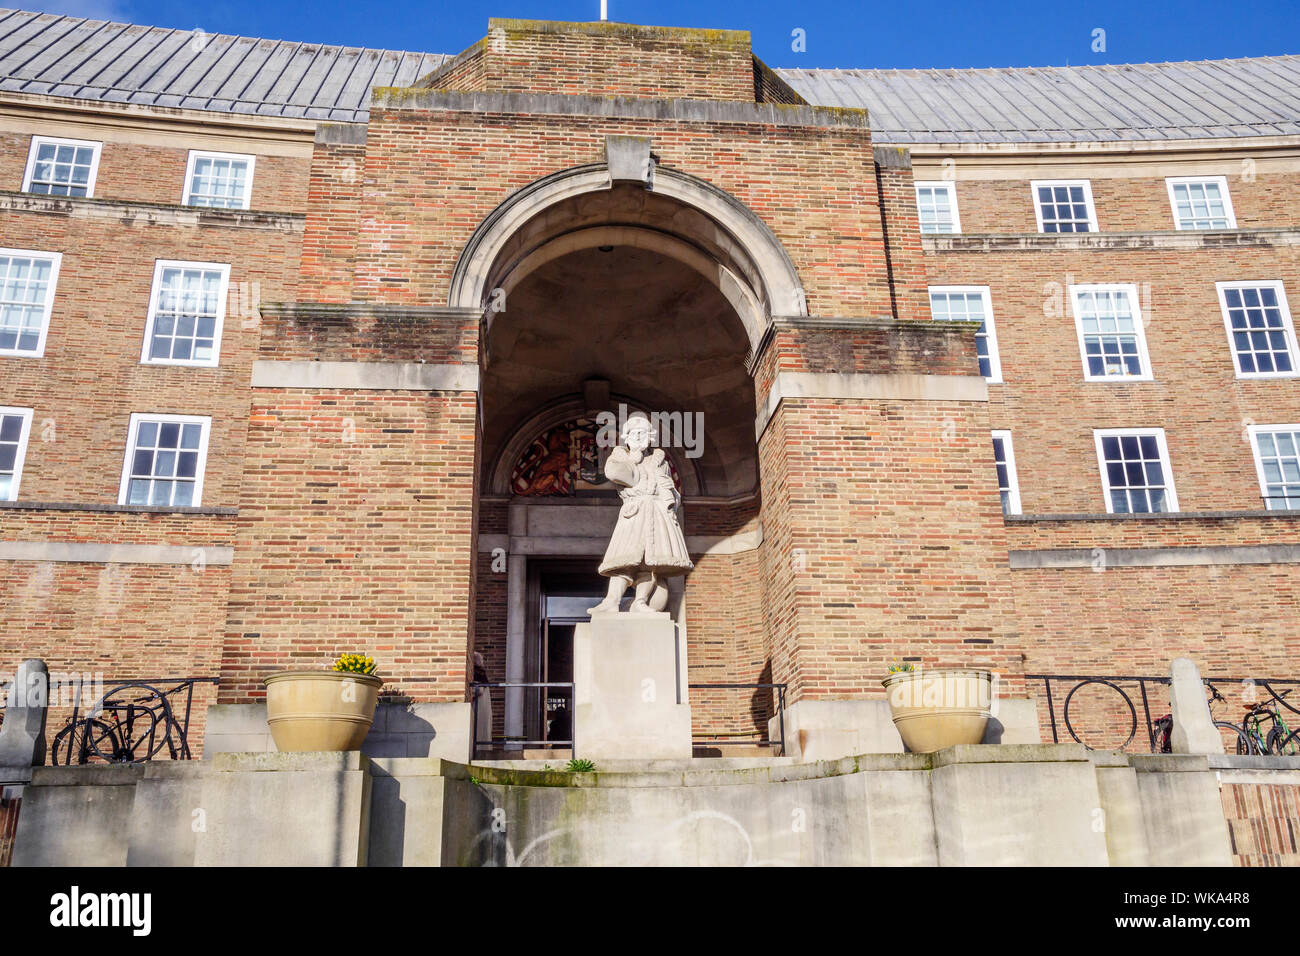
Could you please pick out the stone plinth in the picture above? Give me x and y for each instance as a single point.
(628, 702)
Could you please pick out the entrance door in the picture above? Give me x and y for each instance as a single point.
(561, 591)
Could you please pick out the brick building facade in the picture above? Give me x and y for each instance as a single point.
(417, 287)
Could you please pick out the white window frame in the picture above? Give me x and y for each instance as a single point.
(197, 154)
(60, 141)
(990, 326)
(20, 455)
(222, 293)
(124, 488)
(1013, 478)
(951, 187)
(1287, 328)
(1139, 326)
(1171, 495)
(1252, 432)
(1221, 181)
(56, 260)
(1087, 198)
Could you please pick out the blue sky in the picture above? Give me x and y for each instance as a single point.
(939, 33)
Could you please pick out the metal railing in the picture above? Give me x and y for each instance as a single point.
(131, 722)
(518, 742)
(1144, 689)
(714, 740)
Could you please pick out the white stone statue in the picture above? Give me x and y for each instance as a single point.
(647, 545)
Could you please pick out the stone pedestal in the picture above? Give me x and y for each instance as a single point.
(628, 699)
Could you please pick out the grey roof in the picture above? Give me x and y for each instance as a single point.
(1259, 96)
(98, 60)
(94, 59)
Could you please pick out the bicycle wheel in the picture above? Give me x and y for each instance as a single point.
(1244, 743)
(1283, 742)
(1291, 746)
(78, 742)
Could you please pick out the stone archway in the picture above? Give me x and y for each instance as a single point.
(742, 246)
(588, 276)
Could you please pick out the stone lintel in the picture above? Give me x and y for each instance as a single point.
(870, 387)
(1021, 560)
(619, 107)
(97, 552)
(1161, 239)
(347, 376)
(157, 214)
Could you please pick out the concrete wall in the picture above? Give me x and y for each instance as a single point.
(1010, 805)
(399, 730)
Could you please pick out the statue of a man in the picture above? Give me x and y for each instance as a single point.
(647, 545)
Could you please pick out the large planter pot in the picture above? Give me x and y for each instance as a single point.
(940, 707)
(320, 710)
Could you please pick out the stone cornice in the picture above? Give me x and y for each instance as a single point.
(1109, 147)
(339, 311)
(145, 116)
(1164, 239)
(1162, 516)
(845, 324)
(868, 386)
(112, 552)
(365, 376)
(157, 214)
(213, 511)
(617, 107)
(1158, 557)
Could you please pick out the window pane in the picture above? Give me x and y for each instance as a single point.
(161, 474)
(24, 293)
(1134, 474)
(1279, 459)
(186, 306)
(218, 182)
(1063, 208)
(62, 169)
(1266, 346)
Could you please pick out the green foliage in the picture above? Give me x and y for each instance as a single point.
(355, 664)
(577, 765)
(901, 667)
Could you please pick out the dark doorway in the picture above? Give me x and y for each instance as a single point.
(560, 592)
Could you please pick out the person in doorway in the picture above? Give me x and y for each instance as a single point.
(647, 545)
(482, 703)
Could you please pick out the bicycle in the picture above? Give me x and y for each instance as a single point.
(1162, 728)
(122, 730)
(1265, 730)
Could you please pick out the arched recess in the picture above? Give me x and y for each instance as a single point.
(746, 256)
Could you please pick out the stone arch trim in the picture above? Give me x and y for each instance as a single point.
(781, 292)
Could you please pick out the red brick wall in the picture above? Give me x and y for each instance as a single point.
(893, 542)
(96, 337)
(1262, 823)
(610, 59)
(356, 533)
(146, 172)
(334, 198)
(1128, 202)
(432, 176)
(1195, 396)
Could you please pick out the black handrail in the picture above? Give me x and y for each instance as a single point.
(475, 743)
(152, 699)
(780, 714)
(1113, 682)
